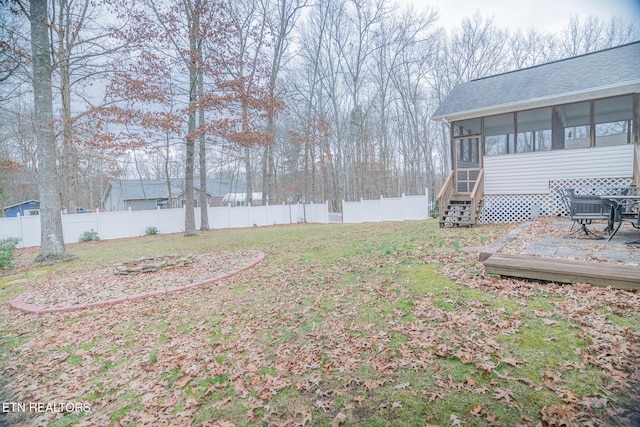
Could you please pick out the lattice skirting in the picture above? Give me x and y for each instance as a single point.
(515, 207)
(522, 207)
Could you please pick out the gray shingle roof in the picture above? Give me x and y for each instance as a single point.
(571, 79)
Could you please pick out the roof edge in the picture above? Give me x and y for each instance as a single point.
(558, 60)
(628, 87)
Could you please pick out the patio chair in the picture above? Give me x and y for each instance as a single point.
(584, 209)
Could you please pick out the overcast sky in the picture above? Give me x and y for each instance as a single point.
(544, 15)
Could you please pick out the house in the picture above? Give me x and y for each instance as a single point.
(240, 199)
(28, 207)
(139, 195)
(519, 138)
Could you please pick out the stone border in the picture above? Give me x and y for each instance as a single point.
(19, 304)
(502, 241)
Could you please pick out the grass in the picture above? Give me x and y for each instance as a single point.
(355, 320)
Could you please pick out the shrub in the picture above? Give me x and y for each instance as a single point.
(88, 236)
(435, 211)
(6, 251)
(150, 231)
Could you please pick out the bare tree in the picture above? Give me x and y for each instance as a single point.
(530, 48)
(13, 51)
(591, 33)
(282, 16)
(82, 51)
(242, 80)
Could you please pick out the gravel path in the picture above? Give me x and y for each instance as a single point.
(104, 284)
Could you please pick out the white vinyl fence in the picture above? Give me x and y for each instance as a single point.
(114, 225)
(122, 224)
(390, 209)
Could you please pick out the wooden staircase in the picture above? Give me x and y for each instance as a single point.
(461, 212)
(460, 209)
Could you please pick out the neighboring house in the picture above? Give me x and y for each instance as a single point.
(29, 207)
(240, 199)
(519, 138)
(135, 194)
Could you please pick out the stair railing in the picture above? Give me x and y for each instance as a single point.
(476, 196)
(444, 196)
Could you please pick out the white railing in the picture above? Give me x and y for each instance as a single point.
(121, 224)
(390, 209)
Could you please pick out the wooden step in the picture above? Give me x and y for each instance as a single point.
(563, 270)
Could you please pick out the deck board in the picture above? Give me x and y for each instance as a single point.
(564, 270)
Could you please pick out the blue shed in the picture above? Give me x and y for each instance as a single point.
(29, 207)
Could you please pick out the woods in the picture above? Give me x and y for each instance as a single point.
(293, 100)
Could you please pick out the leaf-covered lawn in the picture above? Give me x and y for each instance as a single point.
(386, 324)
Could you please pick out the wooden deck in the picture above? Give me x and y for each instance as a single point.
(563, 270)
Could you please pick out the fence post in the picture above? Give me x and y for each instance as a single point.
(98, 220)
(19, 218)
(326, 204)
(129, 219)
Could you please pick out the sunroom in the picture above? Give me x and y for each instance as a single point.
(519, 139)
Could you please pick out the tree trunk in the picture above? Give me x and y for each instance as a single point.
(52, 242)
(189, 217)
(249, 176)
(204, 205)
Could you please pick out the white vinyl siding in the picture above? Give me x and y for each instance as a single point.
(530, 173)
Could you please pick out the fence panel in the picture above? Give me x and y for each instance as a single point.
(76, 224)
(391, 209)
(371, 210)
(351, 212)
(416, 207)
(220, 217)
(170, 220)
(11, 227)
(122, 224)
(281, 214)
(319, 213)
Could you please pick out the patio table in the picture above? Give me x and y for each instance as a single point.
(624, 207)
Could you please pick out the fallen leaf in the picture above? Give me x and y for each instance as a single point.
(306, 416)
(511, 361)
(593, 402)
(220, 403)
(505, 394)
(339, 419)
(454, 420)
(183, 381)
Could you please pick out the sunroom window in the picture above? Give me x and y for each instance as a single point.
(573, 126)
(534, 130)
(498, 135)
(613, 119)
(466, 127)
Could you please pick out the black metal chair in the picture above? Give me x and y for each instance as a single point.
(584, 209)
